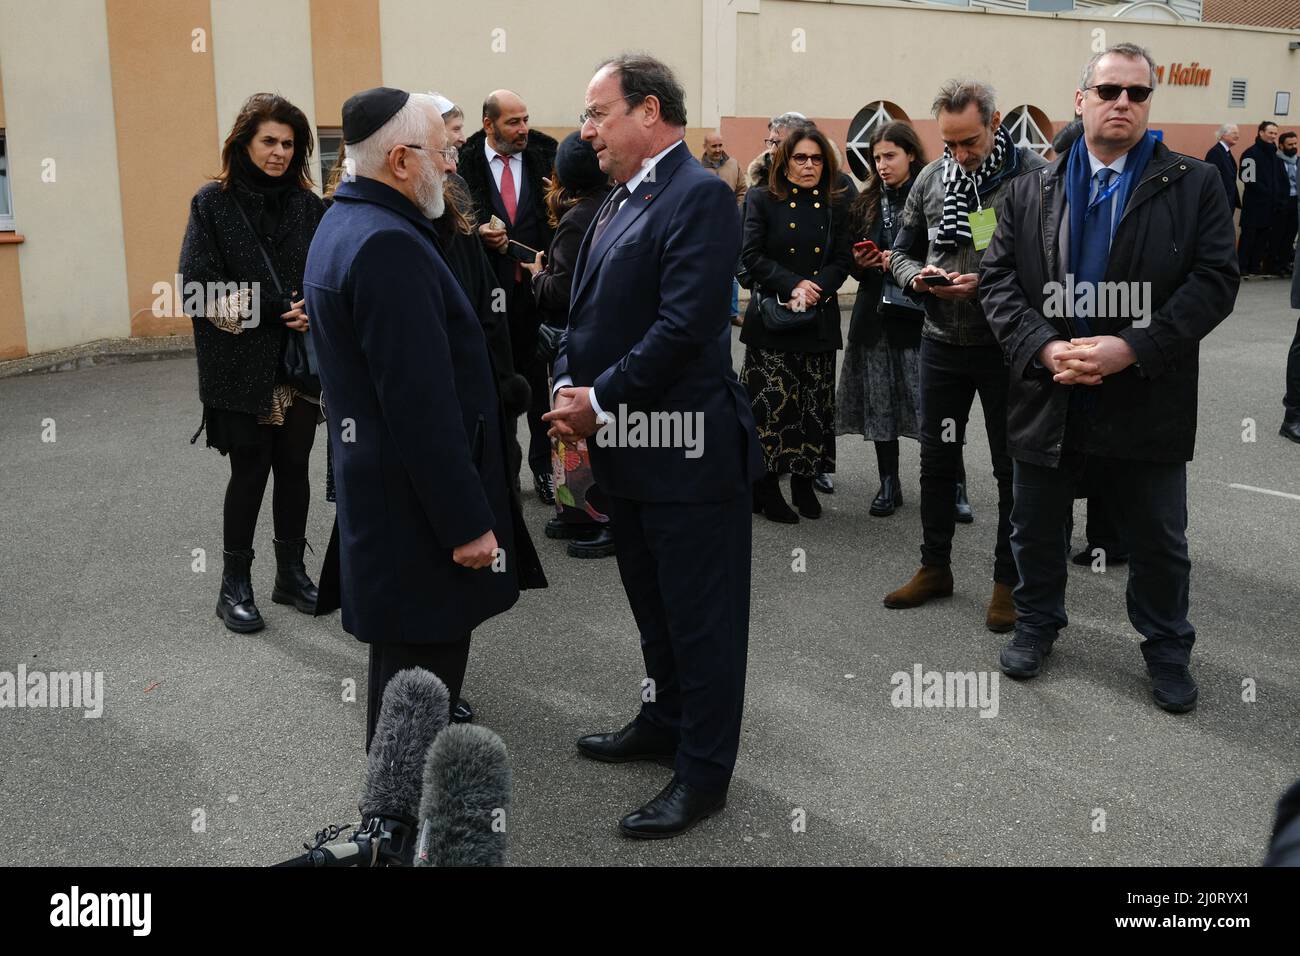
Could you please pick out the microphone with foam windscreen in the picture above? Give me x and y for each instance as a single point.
(465, 800)
(414, 711)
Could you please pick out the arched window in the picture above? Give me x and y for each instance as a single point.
(867, 120)
(1029, 126)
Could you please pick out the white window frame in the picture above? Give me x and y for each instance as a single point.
(861, 138)
(7, 222)
(1025, 131)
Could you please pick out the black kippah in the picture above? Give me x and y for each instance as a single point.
(368, 110)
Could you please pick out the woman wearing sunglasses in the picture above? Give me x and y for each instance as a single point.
(796, 249)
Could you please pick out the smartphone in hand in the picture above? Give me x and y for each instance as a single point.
(936, 279)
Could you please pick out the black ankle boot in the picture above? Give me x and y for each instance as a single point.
(962, 509)
(769, 501)
(292, 586)
(888, 498)
(235, 604)
(803, 496)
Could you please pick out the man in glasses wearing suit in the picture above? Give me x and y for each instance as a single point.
(648, 336)
(1106, 270)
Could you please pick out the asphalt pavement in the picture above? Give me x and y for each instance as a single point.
(215, 748)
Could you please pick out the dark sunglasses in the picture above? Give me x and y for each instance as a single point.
(1111, 91)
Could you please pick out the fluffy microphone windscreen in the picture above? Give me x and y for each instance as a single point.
(466, 799)
(414, 711)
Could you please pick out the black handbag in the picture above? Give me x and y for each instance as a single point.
(780, 318)
(548, 342)
(298, 365)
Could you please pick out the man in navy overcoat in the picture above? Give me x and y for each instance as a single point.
(430, 541)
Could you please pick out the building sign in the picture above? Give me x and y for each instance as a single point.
(1183, 74)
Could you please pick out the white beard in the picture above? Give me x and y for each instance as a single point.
(428, 192)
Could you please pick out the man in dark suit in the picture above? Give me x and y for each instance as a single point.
(649, 342)
(503, 164)
(1220, 157)
(1112, 388)
(431, 542)
(1263, 201)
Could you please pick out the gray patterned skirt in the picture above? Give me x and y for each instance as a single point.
(879, 392)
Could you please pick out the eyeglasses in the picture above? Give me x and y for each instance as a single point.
(1111, 91)
(771, 143)
(596, 113)
(803, 159)
(450, 153)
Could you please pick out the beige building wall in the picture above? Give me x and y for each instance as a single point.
(861, 51)
(59, 108)
(262, 46)
(346, 54)
(546, 52)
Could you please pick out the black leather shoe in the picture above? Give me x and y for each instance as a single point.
(888, 498)
(598, 545)
(235, 605)
(804, 498)
(1291, 430)
(462, 713)
(544, 485)
(637, 741)
(964, 514)
(1173, 687)
(567, 530)
(824, 484)
(1023, 657)
(292, 586)
(1085, 557)
(675, 809)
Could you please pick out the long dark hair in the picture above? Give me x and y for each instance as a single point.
(560, 199)
(263, 108)
(867, 204)
(778, 184)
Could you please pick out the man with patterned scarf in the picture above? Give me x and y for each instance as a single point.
(946, 226)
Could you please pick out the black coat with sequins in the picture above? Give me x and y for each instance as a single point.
(237, 372)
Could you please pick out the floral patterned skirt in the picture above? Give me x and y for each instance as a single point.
(793, 398)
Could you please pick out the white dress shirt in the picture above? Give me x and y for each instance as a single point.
(497, 167)
(566, 381)
(1117, 167)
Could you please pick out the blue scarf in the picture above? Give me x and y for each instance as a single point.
(1078, 186)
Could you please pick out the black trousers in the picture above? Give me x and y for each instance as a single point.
(1256, 243)
(282, 449)
(1102, 529)
(446, 659)
(1149, 503)
(951, 376)
(686, 571)
(1284, 237)
(1291, 401)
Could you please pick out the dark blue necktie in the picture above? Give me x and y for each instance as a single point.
(1094, 252)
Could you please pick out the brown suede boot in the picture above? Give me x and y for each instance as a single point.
(929, 582)
(1002, 610)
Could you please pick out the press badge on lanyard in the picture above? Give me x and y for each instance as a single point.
(982, 224)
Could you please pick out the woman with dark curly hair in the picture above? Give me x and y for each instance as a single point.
(246, 243)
